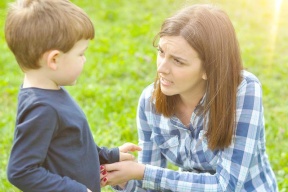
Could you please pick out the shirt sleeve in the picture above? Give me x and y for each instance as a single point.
(233, 164)
(33, 134)
(107, 156)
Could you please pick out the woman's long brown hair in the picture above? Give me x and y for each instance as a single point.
(210, 32)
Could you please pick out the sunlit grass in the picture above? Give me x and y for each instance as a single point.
(274, 28)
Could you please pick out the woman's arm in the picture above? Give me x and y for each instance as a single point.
(234, 162)
(150, 154)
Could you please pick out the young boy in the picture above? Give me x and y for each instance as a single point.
(53, 148)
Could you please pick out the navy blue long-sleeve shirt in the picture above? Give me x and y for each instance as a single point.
(53, 148)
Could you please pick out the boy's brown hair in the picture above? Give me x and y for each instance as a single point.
(34, 27)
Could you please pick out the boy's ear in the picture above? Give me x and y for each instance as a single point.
(204, 76)
(52, 59)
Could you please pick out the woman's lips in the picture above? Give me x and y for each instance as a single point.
(165, 82)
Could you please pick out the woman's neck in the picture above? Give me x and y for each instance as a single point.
(186, 105)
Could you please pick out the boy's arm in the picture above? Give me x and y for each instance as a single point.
(33, 136)
(107, 156)
(113, 155)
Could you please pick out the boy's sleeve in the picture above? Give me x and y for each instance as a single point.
(33, 135)
(107, 156)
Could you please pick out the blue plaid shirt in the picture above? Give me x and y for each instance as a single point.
(243, 166)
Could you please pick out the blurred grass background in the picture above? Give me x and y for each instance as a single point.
(121, 62)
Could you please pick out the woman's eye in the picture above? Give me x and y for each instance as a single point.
(178, 62)
(160, 51)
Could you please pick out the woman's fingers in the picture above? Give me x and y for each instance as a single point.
(103, 182)
(112, 167)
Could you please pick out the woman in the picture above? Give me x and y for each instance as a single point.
(203, 113)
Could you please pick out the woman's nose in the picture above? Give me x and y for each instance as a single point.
(162, 66)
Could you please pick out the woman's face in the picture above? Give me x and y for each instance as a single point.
(179, 67)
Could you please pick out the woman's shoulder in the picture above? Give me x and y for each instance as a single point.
(250, 84)
(248, 78)
(148, 91)
(146, 95)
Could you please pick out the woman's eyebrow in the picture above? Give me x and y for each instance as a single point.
(174, 56)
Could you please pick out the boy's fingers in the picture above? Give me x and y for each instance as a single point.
(137, 148)
(126, 156)
(129, 147)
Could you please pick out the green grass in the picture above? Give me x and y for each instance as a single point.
(121, 62)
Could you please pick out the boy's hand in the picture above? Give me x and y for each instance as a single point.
(125, 149)
(129, 147)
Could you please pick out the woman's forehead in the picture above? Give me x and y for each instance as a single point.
(176, 45)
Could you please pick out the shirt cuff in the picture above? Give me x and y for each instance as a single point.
(128, 187)
(152, 177)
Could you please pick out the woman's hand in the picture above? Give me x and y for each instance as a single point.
(103, 175)
(121, 172)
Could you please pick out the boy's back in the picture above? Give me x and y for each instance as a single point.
(55, 135)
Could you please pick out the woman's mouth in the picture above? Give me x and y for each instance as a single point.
(165, 82)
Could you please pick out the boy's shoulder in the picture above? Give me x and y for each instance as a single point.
(37, 96)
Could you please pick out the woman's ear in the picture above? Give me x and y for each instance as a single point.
(52, 59)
